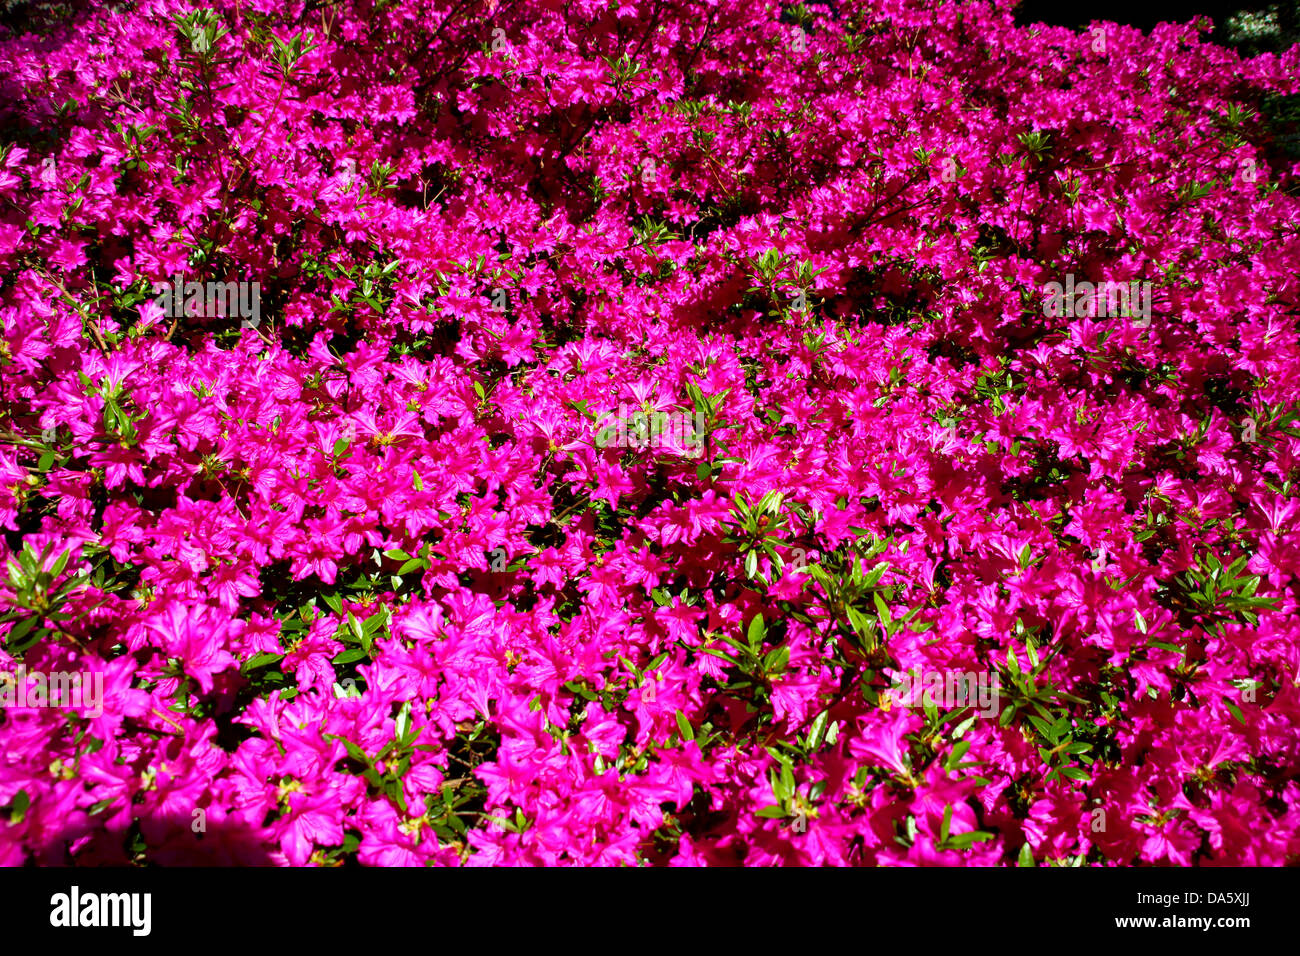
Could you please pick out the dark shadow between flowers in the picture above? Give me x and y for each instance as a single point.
(162, 841)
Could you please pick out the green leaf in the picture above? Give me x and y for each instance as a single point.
(860, 622)
(722, 654)
(1044, 727)
(773, 812)
(963, 841)
(259, 660)
(20, 805)
(739, 645)
(787, 781)
(350, 655)
(60, 563)
(684, 727)
(360, 632)
(818, 729)
(882, 609)
(355, 752)
(757, 632)
(1236, 712)
(958, 751)
(14, 642)
(776, 660)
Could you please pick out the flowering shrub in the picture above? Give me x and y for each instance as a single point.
(363, 577)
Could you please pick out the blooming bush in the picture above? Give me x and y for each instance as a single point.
(363, 577)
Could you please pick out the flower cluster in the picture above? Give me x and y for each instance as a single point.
(365, 581)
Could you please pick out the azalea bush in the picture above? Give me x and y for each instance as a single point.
(391, 570)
